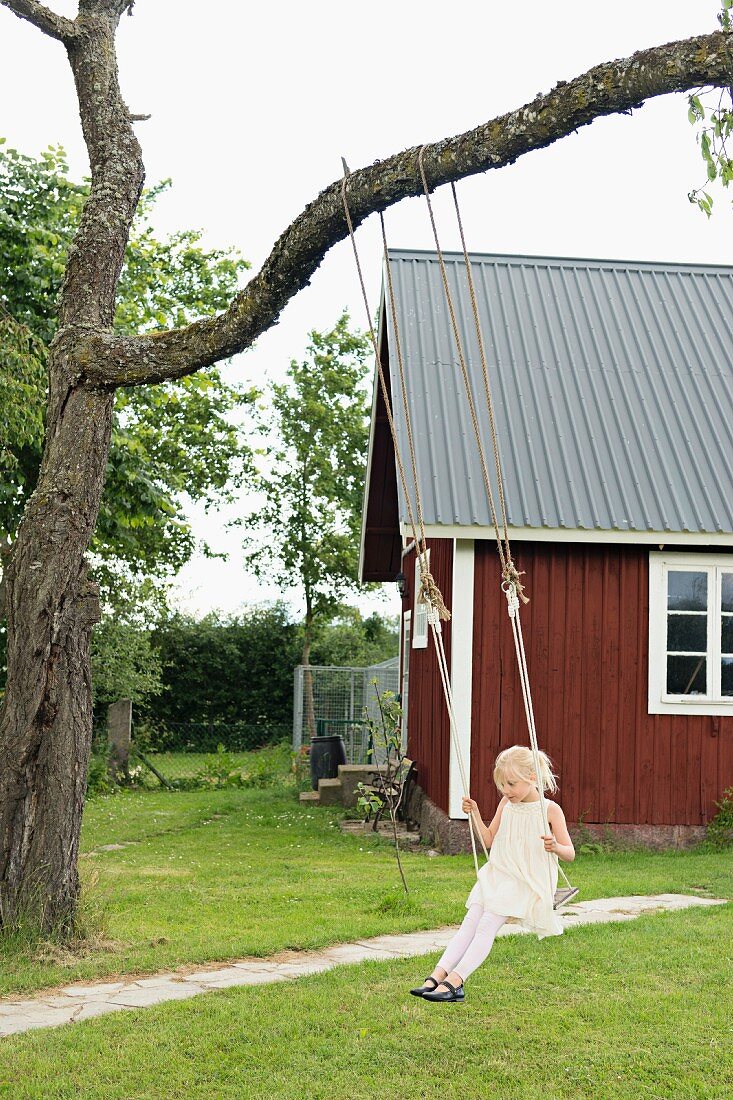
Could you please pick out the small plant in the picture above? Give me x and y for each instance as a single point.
(300, 768)
(264, 768)
(99, 779)
(396, 903)
(720, 829)
(218, 769)
(389, 786)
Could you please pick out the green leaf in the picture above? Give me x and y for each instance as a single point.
(167, 439)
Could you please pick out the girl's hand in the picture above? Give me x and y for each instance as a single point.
(550, 843)
(469, 806)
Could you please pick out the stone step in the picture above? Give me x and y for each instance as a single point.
(330, 792)
(309, 796)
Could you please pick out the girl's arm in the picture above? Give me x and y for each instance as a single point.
(559, 840)
(488, 832)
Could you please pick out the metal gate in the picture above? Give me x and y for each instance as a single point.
(333, 700)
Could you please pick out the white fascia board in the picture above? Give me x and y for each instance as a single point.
(370, 451)
(461, 671)
(567, 534)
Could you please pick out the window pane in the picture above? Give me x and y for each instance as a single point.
(687, 633)
(726, 676)
(686, 676)
(687, 591)
(727, 591)
(726, 634)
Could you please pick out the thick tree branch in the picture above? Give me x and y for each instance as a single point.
(614, 87)
(57, 26)
(96, 255)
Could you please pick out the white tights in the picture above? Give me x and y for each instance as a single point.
(472, 942)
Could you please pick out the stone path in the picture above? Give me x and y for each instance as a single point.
(82, 1002)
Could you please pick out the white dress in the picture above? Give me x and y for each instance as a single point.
(520, 878)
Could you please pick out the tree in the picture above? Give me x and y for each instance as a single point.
(175, 438)
(125, 663)
(351, 639)
(231, 671)
(51, 602)
(310, 521)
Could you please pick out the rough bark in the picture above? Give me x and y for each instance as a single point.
(56, 26)
(305, 660)
(45, 720)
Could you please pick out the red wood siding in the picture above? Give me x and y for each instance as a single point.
(586, 635)
(428, 728)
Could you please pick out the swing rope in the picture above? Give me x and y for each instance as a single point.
(429, 591)
(511, 585)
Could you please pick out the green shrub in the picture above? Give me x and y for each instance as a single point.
(720, 829)
(267, 767)
(99, 781)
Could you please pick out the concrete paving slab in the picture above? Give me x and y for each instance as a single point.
(104, 989)
(161, 980)
(255, 965)
(346, 953)
(14, 1025)
(142, 998)
(303, 969)
(259, 977)
(92, 1009)
(41, 1017)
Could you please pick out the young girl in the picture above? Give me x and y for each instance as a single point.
(518, 882)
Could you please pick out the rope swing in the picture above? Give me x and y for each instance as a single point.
(429, 592)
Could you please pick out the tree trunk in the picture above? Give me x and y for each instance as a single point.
(305, 659)
(46, 717)
(51, 604)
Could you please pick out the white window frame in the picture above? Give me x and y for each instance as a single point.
(420, 616)
(660, 702)
(405, 667)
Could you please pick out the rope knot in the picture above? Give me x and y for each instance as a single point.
(511, 577)
(512, 599)
(431, 595)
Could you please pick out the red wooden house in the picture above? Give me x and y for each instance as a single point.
(613, 386)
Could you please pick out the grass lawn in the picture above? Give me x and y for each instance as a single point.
(642, 1009)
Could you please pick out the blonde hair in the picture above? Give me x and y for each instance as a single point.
(518, 762)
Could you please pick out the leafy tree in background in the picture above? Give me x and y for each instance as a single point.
(312, 480)
(351, 639)
(125, 664)
(225, 671)
(167, 441)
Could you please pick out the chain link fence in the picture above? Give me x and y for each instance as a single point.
(330, 700)
(205, 737)
(199, 752)
(192, 754)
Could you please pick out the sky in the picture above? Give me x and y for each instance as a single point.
(253, 106)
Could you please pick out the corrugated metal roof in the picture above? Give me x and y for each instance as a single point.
(613, 387)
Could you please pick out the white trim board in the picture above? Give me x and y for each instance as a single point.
(567, 534)
(461, 669)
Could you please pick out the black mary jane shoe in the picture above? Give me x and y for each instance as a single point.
(453, 993)
(424, 988)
